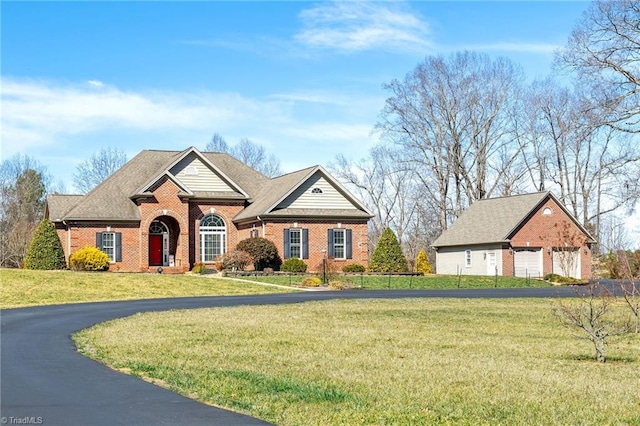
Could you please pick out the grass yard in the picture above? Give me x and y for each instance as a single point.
(402, 362)
(372, 282)
(22, 287)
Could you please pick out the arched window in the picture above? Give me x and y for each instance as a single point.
(158, 227)
(213, 238)
(316, 190)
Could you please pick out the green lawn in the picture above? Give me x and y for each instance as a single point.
(397, 362)
(406, 282)
(22, 287)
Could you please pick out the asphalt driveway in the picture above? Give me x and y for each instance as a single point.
(44, 380)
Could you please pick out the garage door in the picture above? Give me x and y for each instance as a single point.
(527, 262)
(566, 263)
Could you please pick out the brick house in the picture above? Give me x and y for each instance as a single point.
(527, 235)
(173, 209)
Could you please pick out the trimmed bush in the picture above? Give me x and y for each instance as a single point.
(559, 279)
(45, 250)
(387, 256)
(340, 285)
(294, 264)
(89, 259)
(311, 282)
(422, 263)
(354, 268)
(199, 268)
(263, 251)
(237, 259)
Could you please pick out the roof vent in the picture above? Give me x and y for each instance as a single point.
(191, 171)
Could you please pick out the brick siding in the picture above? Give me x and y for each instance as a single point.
(183, 220)
(548, 231)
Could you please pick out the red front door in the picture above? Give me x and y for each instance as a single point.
(155, 250)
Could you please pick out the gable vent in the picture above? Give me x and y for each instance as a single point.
(316, 190)
(191, 171)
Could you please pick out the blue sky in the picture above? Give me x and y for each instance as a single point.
(304, 79)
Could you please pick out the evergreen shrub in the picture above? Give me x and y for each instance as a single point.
(293, 264)
(89, 259)
(45, 250)
(422, 263)
(387, 256)
(311, 282)
(263, 251)
(354, 268)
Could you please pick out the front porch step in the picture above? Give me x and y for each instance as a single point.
(167, 269)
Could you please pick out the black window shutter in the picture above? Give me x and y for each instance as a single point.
(99, 240)
(118, 246)
(330, 244)
(347, 243)
(305, 243)
(287, 247)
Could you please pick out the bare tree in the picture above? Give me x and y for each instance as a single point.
(385, 186)
(93, 171)
(613, 235)
(217, 144)
(23, 183)
(256, 156)
(604, 49)
(449, 119)
(567, 148)
(592, 317)
(248, 152)
(631, 288)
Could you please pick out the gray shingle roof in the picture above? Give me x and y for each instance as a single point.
(112, 199)
(272, 191)
(59, 204)
(490, 220)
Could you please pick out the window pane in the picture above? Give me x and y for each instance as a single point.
(108, 245)
(212, 238)
(338, 243)
(295, 246)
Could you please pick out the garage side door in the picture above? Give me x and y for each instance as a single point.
(527, 262)
(566, 263)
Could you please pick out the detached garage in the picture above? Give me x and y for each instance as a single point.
(528, 235)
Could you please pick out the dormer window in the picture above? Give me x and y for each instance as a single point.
(316, 190)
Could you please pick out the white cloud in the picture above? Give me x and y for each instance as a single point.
(358, 26)
(95, 83)
(51, 120)
(37, 113)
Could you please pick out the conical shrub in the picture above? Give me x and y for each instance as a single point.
(45, 250)
(387, 256)
(422, 263)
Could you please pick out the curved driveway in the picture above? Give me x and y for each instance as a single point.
(44, 380)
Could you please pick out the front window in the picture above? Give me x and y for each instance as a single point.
(338, 244)
(295, 243)
(109, 245)
(213, 238)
